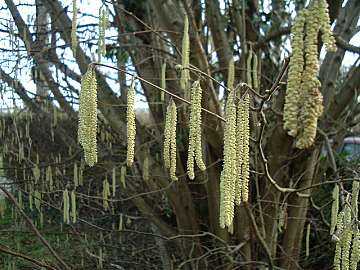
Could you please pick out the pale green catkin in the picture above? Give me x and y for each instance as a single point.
(103, 25)
(163, 81)
(255, 71)
(338, 249)
(170, 139)
(131, 126)
(73, 206)
(249, 67)
(243, 135)
(334, 208)
(76, 175)
(66, 208)
(231, 75)
(229, 173)
(49, 178)
(20, 200)
(73, 27)
(307, 244)
(355, 250)
(146, 167)
(105, 194)
(122, 176)
(345, 239)
(195, 141)
(37, 200)
(355, 197)
(185, 58)
(113, 180)
(88, 116)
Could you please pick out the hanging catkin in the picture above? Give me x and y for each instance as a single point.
(73, 27)
(122, 176)
(113, 181)
(76, 175)
(228, 175)
(231, 75)
(131, 126)
(249, 67)
(303, 100)
(195, 144)
(170, 139)
(185, 58)
(73, 206)
(66, 208)
(49, 178)
(243, 137)
(307, 240)
(334, 208)
(163, 81)
(105, 194)
(355, 250)
(338, 249)
(146, 167)
(103, 25)
(355, 198)
(88, 116)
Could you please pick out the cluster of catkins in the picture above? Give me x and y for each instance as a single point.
(303, 101)
(235, 175)
(345, 231)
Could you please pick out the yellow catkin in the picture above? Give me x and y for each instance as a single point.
(303, 101)
(73, 206)
(185, 58)
(73, 27)
(307, 240)
(355, 250)
(170, 148)
(311, 99)
(195, 141)
(345, 239)
(338, 249)
(131, 126)
(244, 150)
(88, 116)
(113, 181)
(228, 179)
(334, 208)
(296, 66)
(324, 19)
(167, 138)
(66, 207)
